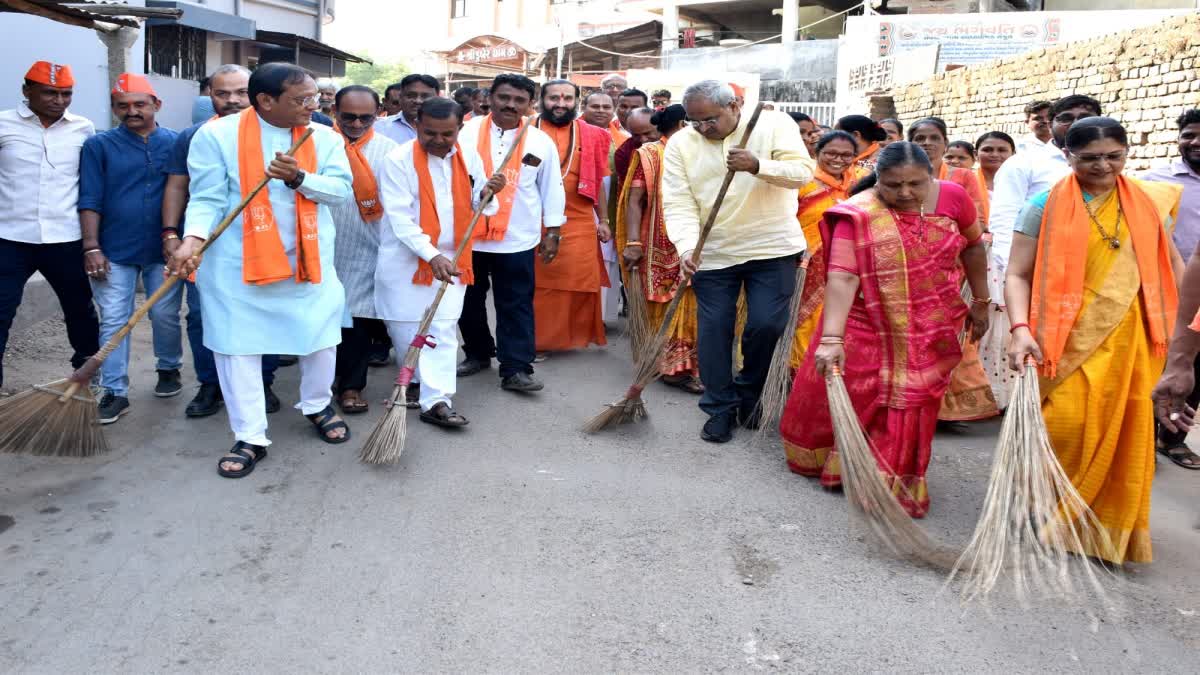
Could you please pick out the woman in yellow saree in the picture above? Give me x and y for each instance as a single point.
(836, 174)
(1099, 324)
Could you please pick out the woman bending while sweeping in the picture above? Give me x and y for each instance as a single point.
(1091, 293)
(893, 311)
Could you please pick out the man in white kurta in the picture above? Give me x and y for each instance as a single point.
(243, 321)
(401, 302)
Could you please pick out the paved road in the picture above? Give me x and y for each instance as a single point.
(519, 545)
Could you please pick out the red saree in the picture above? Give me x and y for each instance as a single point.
(901, 339)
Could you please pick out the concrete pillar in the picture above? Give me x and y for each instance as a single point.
(118, 43)
(670, 29)
(791, 20)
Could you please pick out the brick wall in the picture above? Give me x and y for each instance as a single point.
(1145, 78)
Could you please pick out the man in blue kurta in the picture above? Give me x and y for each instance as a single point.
(268, 284)
(121, 183)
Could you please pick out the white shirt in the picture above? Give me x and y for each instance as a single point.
(39, 176)
(1024, 175)
(402, 240)
(1032, 142)
(540, 196)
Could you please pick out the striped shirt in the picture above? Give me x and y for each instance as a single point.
(356, 247)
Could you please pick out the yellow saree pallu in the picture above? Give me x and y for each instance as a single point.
(1097, 406)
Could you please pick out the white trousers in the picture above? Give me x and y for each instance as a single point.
(242, 387)
(436, 368)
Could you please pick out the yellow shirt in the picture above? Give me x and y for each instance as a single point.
(757, 220)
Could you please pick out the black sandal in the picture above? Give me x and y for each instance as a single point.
(444, 416)
(321, 420)
(1177, 452)
(248, 460)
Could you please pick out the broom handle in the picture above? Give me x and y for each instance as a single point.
(427, 318)
(89, 368)
(708, 226)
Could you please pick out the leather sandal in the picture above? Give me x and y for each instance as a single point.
(442, 415)
(238, 454)
(323, 423)
(352, 402)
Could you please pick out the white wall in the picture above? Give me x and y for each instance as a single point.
(176, 96)
(284, 17)
(31, 38)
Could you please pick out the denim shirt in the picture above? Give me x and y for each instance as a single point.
(122, 177)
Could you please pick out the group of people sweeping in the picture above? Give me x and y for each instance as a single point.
(753, 250)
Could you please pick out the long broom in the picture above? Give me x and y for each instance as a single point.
(637, 321)
(58, 419)
(631, 407)
(869, 495)
(386, 442)
(778, 385)
(1034, 521)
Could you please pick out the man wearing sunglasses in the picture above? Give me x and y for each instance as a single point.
(357, 243)
(1033, 171)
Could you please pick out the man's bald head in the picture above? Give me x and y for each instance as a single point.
(598, 109)
(637, 123)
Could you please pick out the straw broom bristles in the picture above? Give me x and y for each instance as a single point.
(778, 385)
(637, 323)
(1034, 521)
(871, 497)
(385, 445)
(630, 407)
(59, 419)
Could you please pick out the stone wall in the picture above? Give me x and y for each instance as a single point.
(1145, 78)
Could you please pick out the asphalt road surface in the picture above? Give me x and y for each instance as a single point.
(518, 545)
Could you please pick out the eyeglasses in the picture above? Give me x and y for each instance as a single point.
(347, 118)
(1111, 158)
(845, 156)
(700, 124)
(306, 101)
(1068, 118)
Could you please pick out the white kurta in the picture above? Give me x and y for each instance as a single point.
(358, 241)
(284, 317)
(397, 298)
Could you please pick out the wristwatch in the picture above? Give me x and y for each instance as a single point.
(295, 182)
(553, 232)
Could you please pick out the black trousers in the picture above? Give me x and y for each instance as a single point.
(62, 266)
(769, 285)
(510, 278)
(1168, 438)
(353, 353)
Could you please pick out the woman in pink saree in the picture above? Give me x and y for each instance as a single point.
(893, 312)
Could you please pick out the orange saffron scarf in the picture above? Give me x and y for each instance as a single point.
(460, 187)
(867, 157)
(985, 199)
(264, 260)
(840, 189)
(366, 188)
(1059, 270)
(497, 226)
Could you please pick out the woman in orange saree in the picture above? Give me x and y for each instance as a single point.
(1092, 295)
(643, 244)
(835, 175)
(894, 256)
(970, 395)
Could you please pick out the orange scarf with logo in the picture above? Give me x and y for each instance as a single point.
(460, 187)
(867, 157)
(497, 225)
(1059, 270)
(366, 188)
(264, 260)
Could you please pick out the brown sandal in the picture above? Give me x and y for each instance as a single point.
(687, 383)
(443, 415)
(352, 402)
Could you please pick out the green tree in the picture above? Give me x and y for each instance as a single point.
(375, 75)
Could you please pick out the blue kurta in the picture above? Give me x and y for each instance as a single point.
(284, 317)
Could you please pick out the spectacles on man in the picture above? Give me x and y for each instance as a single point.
(1111, 158)
(306, 101)
(700, 124)
(347, 118)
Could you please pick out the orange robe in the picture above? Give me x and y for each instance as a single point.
(566, 299)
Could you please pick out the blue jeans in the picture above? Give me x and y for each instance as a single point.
(202, 357)
(115, 298)
(769, 286)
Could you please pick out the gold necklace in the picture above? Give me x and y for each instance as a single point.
(1114, 241)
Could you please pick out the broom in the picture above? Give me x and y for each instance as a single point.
(631, 407)
(778, 385)
(59, 418)
(386, 442)
(1033, 518)
(866, 490)
(637, 323)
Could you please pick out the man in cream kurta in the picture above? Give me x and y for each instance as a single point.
(401, 302)
(243, 321)
(754, 243)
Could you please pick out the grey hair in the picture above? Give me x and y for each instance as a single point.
(326, 83)
(230, 69)
(714, 90)
(613, 76)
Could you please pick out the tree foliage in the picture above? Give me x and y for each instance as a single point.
(375, 75)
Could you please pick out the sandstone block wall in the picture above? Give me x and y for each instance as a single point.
(1145, 78)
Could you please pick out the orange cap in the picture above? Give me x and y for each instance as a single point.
(132, 83)
(738, 90)
(50, 74)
